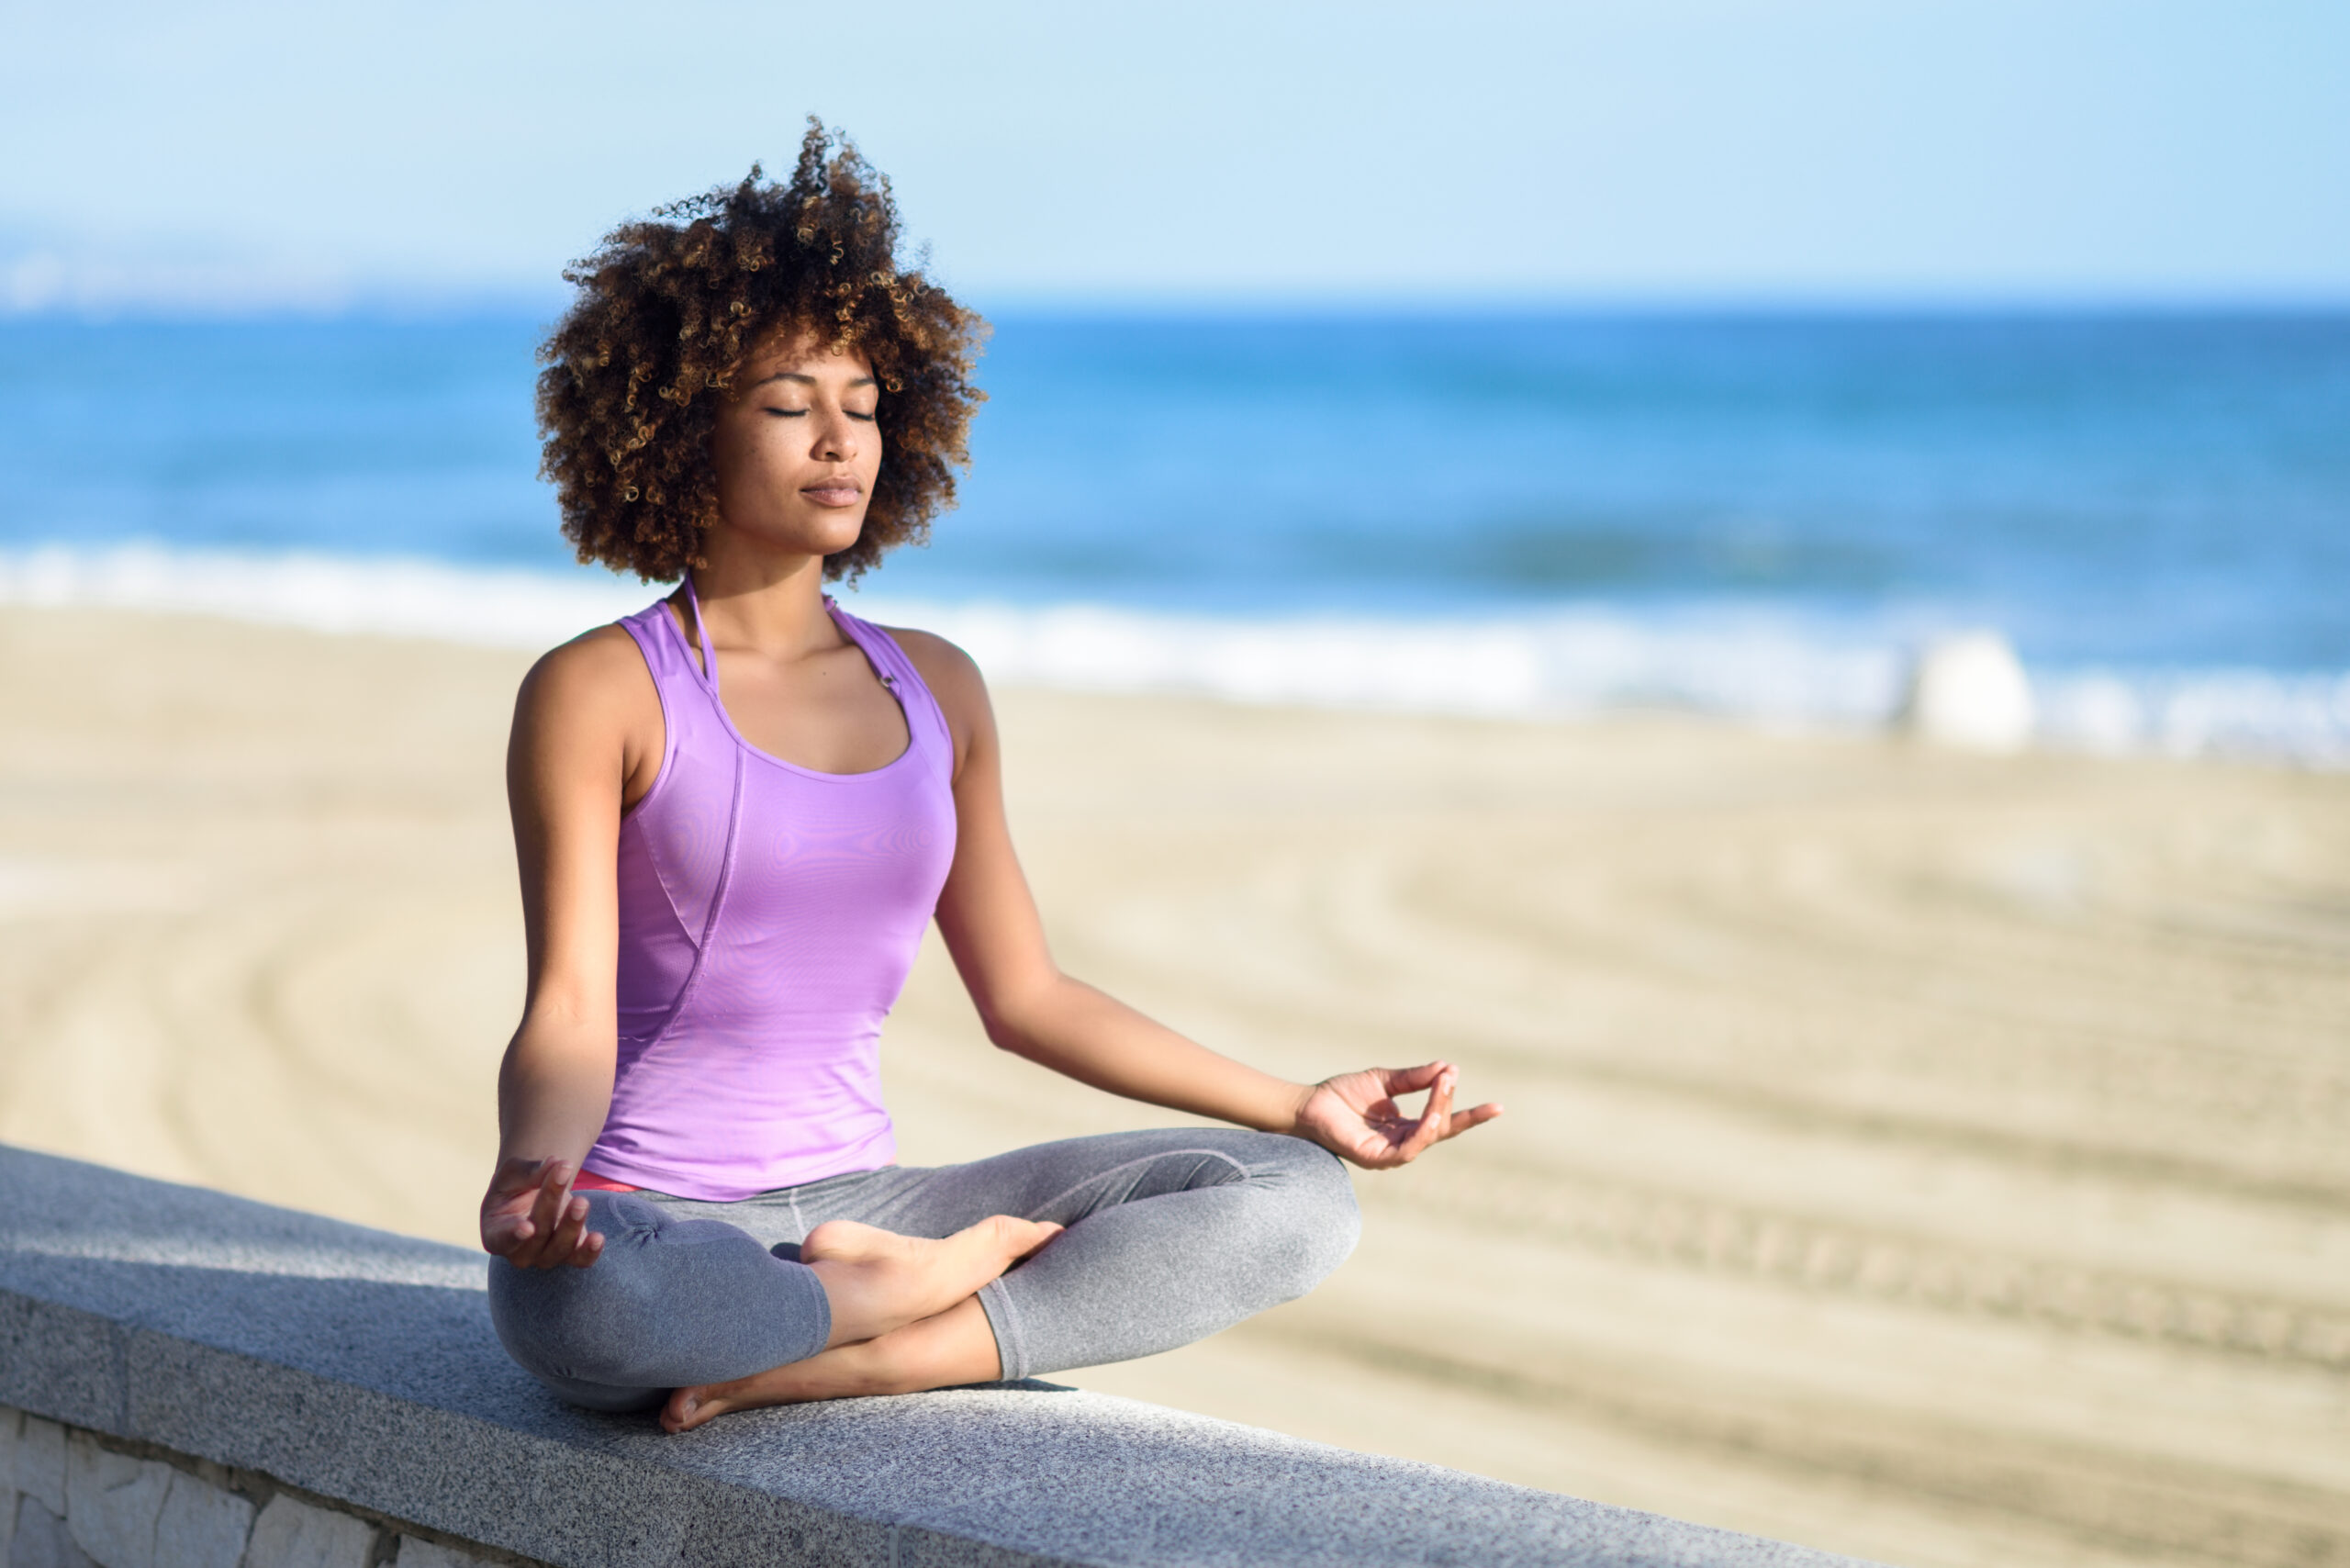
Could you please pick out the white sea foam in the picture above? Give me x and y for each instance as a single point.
(327, 593)
(1566, 664)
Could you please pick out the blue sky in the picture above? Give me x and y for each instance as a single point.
(1676, 149)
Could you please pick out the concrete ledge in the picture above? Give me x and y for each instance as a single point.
(359, 1367)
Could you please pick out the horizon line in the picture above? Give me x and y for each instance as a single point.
(454, 304)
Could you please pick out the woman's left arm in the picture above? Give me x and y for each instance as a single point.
(1033, 1009)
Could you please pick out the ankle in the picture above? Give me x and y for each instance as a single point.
(884, 1366)
(848, 1372)
(859, 1293)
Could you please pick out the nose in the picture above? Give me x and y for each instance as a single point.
(835, 437)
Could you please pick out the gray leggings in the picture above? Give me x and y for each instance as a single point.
(1172, 1234)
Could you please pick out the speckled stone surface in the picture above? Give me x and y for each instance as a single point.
(361, 1366)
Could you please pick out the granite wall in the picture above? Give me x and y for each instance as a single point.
(70, 1500)
(189, 1380)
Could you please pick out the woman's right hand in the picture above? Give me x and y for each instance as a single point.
(531, 1219)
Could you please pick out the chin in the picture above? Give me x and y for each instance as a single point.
(822, 537)
(832, 530)
(839, 540)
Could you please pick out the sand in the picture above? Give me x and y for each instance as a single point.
(1940, 1159)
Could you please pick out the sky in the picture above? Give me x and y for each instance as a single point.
(239, 156)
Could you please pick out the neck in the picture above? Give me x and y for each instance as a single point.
(762, 601)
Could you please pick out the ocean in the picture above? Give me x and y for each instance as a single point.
(1760, 516)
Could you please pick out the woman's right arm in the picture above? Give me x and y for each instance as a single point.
(577, 747)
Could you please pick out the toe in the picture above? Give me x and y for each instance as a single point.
(1016, 1238)
(687, 1409)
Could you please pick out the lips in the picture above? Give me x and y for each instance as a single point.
(833, 492)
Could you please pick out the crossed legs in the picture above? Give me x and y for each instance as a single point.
(1062, 1255)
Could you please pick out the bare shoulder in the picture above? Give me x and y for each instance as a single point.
(955, 681)
(951, 673)
(598, 676)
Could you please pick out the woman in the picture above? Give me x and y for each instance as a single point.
(736, 811)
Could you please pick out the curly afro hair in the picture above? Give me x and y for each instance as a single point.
(670, 307)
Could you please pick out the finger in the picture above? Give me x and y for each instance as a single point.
(546, 1209)
(501, 1234)
(1475, 1116)
(535, 1229)
(591, 1247)
(1411, 1079)
(1432, 1120)
(526, 1245)
(568, 1232)
(545, 1249)
(1052, 1233)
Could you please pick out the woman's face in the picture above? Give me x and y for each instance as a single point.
(796, 449)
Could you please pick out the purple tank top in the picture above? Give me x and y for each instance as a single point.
(768, 914)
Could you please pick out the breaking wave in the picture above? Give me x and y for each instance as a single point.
(1756, 666)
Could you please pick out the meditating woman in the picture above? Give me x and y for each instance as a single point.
(736, 813)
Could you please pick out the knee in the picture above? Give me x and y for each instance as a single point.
(560, 1327)
(1313, 1221)
(565, 1323)
(572, 1323)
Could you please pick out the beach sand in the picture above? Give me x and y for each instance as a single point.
(1940, 1159)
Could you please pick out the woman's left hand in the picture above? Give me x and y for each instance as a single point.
(1355, 1117)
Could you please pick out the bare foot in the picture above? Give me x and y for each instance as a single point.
(904, 1317)
(953, 1348)
(879, 1281)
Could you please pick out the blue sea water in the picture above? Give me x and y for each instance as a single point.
(2158, 502)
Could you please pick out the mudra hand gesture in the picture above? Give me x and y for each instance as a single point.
(530, 1218)
(1355, 1117)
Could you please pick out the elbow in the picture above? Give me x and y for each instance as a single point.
(1005, 1036)
(1025, 1009)
(1023, 1016)
(1016, 1022)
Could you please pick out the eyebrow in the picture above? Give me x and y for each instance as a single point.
(796, 375)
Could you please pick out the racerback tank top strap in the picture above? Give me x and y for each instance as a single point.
(677, 681)
(700, 658)
(927, 731)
